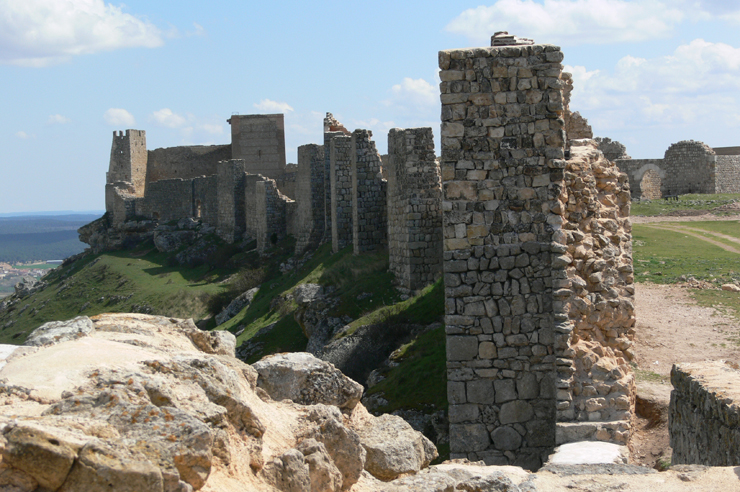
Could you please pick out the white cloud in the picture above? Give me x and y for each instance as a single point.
(571, 22)
(38, 33)
(212, 129)
(694, 91)
(273, 106)
(23, 135)
(57, 119)
(165, 117)
(119, 117)
(415, 92)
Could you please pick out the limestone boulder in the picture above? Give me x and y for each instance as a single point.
(235, 306)
(393, 447)
(27, 286)
(60, 331)
(167, 241)
(307, 380)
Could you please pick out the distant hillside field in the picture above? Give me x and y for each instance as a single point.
(29, 238)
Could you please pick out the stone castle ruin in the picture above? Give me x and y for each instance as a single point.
(687, 167)
(522, 213)
(245, 190)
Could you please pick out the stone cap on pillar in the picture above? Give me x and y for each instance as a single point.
(503, 38)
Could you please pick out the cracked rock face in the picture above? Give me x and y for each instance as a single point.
(131, 402)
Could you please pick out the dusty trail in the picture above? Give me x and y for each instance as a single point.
(688, 231)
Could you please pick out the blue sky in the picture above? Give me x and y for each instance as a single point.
(646, 73)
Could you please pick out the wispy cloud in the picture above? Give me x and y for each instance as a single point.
(23, 135)
(38, 33)
(573, 22)
(119, 117)
(165, 117)
(273, 106)
(696, 86)
(57, 119)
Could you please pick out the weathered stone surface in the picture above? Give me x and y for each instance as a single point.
(235, 306)
(388, 457)
(27, 286)
(167, 241)
(60, 331)
(324, 474)
(304, 379)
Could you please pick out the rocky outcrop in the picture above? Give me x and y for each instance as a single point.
(167, 241)
(235, 306)
(27, 286)
(130, 402)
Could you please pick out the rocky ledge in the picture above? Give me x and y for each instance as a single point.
(137, 403)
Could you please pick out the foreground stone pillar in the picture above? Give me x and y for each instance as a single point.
(502, 150)
(414, 208)
(369, 219)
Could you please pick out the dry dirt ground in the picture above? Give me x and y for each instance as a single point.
(671, 328)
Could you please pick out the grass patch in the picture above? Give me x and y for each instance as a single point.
(694, 202)
(648, 376)
(663, 256)
(419, 381)
(36, 266)
(285, 336)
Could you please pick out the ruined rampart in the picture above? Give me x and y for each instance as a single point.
(727, 173)
(340, 167)
(310, 197)
(128, 160)
(231, 201)
(414, 208)
(704, 415)
(369, 208)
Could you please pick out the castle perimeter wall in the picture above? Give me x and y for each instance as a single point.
(727, 173)
(414, 208)
(635, 170)
(502, 170)
(287, 182)
(369, 189)
(310, 197)
(270, 213)
(166, 200)
(185, 162)
(340, 159)
(704, 414)
(259, 140)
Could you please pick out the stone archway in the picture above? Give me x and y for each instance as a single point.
(650, 185)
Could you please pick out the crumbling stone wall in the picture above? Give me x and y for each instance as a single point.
(231, 200)
(369, 219)
(635, 169)
(287, 181)
(185, 162)
(253, 222)
(704, 415)
(332, 128)
(270, 213)
(310, 197)
(650, 185)
(414, 208)
(576, 126)
(691, 168)
(340, 158)
(593, 346)
(205, 199)
(611, 149)
(502, 163)
(259, 140)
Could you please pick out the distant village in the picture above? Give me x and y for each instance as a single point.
(10, 275)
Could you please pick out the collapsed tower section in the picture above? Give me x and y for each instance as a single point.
(508, 266)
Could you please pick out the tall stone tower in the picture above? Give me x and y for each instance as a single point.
(128, 159)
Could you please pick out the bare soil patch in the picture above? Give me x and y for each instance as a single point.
(671, 328)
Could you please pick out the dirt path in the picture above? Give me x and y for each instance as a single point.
(688, 231)
(671, 328)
